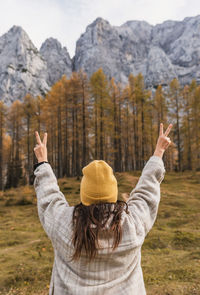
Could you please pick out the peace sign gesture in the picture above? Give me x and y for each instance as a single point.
(40, 149)
(163, 141)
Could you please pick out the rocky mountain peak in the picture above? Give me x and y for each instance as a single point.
(17, 32)
(97, 31)
(161, 52)
(22, 69)
(58, 60)
(51, 44)
(98, 23)
(16, 39)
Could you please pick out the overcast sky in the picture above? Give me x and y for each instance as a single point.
(66, 20)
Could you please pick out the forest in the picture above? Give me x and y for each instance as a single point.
(99, 118)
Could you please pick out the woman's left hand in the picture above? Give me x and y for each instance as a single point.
(163, 141)
(40, 149)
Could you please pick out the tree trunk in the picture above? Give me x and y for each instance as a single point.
(60, 170)
(1, 150)
(101, 129)
(84, 144)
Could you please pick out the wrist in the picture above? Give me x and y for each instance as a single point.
(159, 153)
(42, 160)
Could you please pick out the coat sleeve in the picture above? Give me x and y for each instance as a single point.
(144, 199)
(50, 200)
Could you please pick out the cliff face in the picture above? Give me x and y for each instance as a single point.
(57, 59)
(118, 50)
(160, 53)
(22, 69)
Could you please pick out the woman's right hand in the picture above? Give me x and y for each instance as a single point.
(163, 141)
(40, 149)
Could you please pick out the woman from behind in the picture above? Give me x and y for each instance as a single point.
(97, 243)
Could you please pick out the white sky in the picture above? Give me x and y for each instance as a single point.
(66, 20)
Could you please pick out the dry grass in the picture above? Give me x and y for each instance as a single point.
(170, 254)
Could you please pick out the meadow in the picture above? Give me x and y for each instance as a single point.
(170, 254)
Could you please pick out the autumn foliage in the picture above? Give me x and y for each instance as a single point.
(98, 118)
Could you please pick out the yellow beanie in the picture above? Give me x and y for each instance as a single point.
(98, 184)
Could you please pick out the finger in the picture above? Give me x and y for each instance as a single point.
(161, 128)
(38, 137)
(45, 139)
(168, 129)
(167, 144)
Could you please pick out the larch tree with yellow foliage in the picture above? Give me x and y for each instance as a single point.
(14, 126)
(100, 94)
(3, 110)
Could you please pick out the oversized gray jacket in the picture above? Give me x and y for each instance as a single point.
(118, 272)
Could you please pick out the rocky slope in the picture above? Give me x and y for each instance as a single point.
(160, 53)
(22, 69)
(58, 60)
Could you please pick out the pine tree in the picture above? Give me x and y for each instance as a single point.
(99, 91)
(161, 113)
(160, 107)
(84, 93)
(3, 111)
(186, 126)
(29, 112)
(139, 97)
(76, 110)
(175, 105)
(195, 110)
(66, 160)
(115, 123)
(14, 126)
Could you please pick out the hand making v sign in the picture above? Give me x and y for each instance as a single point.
(163, 141)
(40, 149)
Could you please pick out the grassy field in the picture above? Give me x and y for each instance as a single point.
(170, 254)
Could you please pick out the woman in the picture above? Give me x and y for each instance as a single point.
(97, 244)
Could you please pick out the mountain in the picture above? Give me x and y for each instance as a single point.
(57, 58)
(161, 52)
(118, 50)
(22, 69)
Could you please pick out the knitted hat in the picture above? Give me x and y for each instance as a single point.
(98, 184)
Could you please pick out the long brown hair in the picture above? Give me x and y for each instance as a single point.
(90, 221)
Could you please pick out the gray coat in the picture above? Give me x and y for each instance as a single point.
(118, 272)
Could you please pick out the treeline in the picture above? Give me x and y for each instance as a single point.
(98, 118)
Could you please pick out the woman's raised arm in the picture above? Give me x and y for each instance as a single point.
(51, 202)
(145, 197)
